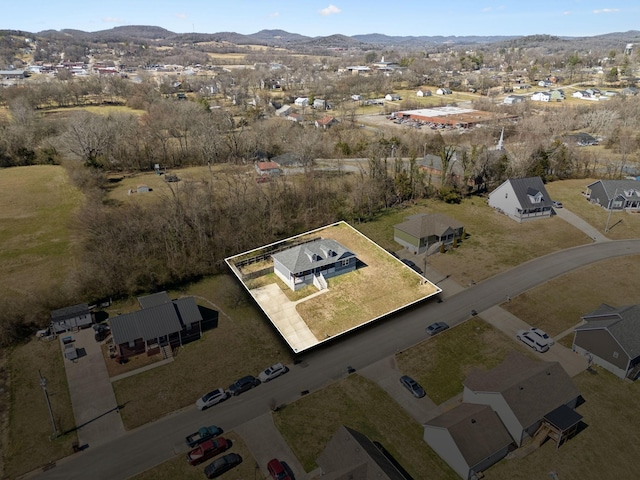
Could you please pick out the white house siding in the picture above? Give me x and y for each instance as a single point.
(71, 323)
(504, 199)
(497, 402)
(439, 439)
(617, 371)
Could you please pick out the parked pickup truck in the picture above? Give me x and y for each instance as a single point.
(207, 450)
(202, 435)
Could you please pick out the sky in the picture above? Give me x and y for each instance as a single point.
(327, 17)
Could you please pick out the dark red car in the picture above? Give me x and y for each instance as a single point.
(277, 470)
(207, 450)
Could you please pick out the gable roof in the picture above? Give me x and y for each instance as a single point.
(69, 312)
(311, 255)
(351, 454)
(424, 225)
(622, 323)
(154, 321)
(153, 300)
(532, 389)
(528, 188)
(326, 120)
(268, 166)
(621, 186)
(476, 430)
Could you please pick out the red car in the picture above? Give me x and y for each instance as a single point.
(207, 450)
(277, 470)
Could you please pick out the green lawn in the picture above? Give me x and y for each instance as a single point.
(309, 423)
(30, 445)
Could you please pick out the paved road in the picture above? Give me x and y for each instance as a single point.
(154, 443)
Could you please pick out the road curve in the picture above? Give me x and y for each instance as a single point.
(152, 444)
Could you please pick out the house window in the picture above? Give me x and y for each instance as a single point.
(345, 262)
(615, 354)
(132, 344)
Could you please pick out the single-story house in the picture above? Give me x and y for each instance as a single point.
(556, 95)
(301, 102)
(523, 392)
(326, 122)
(312, 263)
(295, 117)
(580, 139)
(320, 104)
(630, 91)
(284, 111)
(271, 169)
(541, 97)
(443, 91)
(423, 93)
(610, 337)
(421, 232)
(289, 160)
(522, 199)
(513, 99)
(392, 97)
(13, 74)
(352, 455)
(469, 437)
(71, 318)
(160, 323)
(615, 194)
(356, 98)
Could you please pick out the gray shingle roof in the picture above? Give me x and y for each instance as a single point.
(530, 186)
(622, 323)
(476, 429)
(621, 186)
(312, 255)
(69, 312)
(425, 225)
(531, 388)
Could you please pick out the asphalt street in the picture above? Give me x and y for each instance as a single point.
(159, 441)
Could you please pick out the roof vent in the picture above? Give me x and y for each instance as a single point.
(473, 420)
(521, 388)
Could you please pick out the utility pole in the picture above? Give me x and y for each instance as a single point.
(43, 384)
(606, 228)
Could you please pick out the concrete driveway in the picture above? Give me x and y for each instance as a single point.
(94, 403)
(572, 219)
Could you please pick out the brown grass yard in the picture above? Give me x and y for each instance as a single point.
(558, 305)
(36, 205)
(30, 445)
(495, 244)
(309, 423)
(178, 468)
(242, 343)
(442, 363)
(606, 449)
(381, 286)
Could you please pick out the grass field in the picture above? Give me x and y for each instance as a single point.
(36, 243)
(30, 445)
(441, 364)
(242, 343)
(359, 404)
(178, 468)
(495, 244)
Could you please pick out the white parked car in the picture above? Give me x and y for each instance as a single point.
(272, 372)
(212, 398)
(543, 337)
(531, 339)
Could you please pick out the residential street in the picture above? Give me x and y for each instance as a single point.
(154, 443)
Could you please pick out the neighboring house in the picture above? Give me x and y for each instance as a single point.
(301, 102)
(271, 169)
(469, 437)
(284, 111)
(629, 91)
(356, 98)
(312, 263)
(580, 139)
(432, 165)
(289, 160)
(392, 97)
(541, 97)
(326, 122)
(295, 117)
(523, 393)
(522, 199)
(556, 95)
(13, 74)
(513, 99)
(320, 104)
(423, 93)
(610, 338)
(443, 91)
(421, 232)
(159, 325)
(350, 455)
(583, 94)
(544, 83)
(615, 194)
(71, 318)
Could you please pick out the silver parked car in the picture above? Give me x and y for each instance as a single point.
(529, 338)
(272, 372)
(212, 398)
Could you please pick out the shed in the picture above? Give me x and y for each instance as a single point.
(71, 318)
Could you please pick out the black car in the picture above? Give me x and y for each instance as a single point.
(222, 464)
(413, 386)
(436, 327)
(243, 384)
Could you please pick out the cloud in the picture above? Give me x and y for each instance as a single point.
(274, 14)
(113, 20)
(606, 10)
(330, 10)
(181, 16)
(566, 12)
(486, 9)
